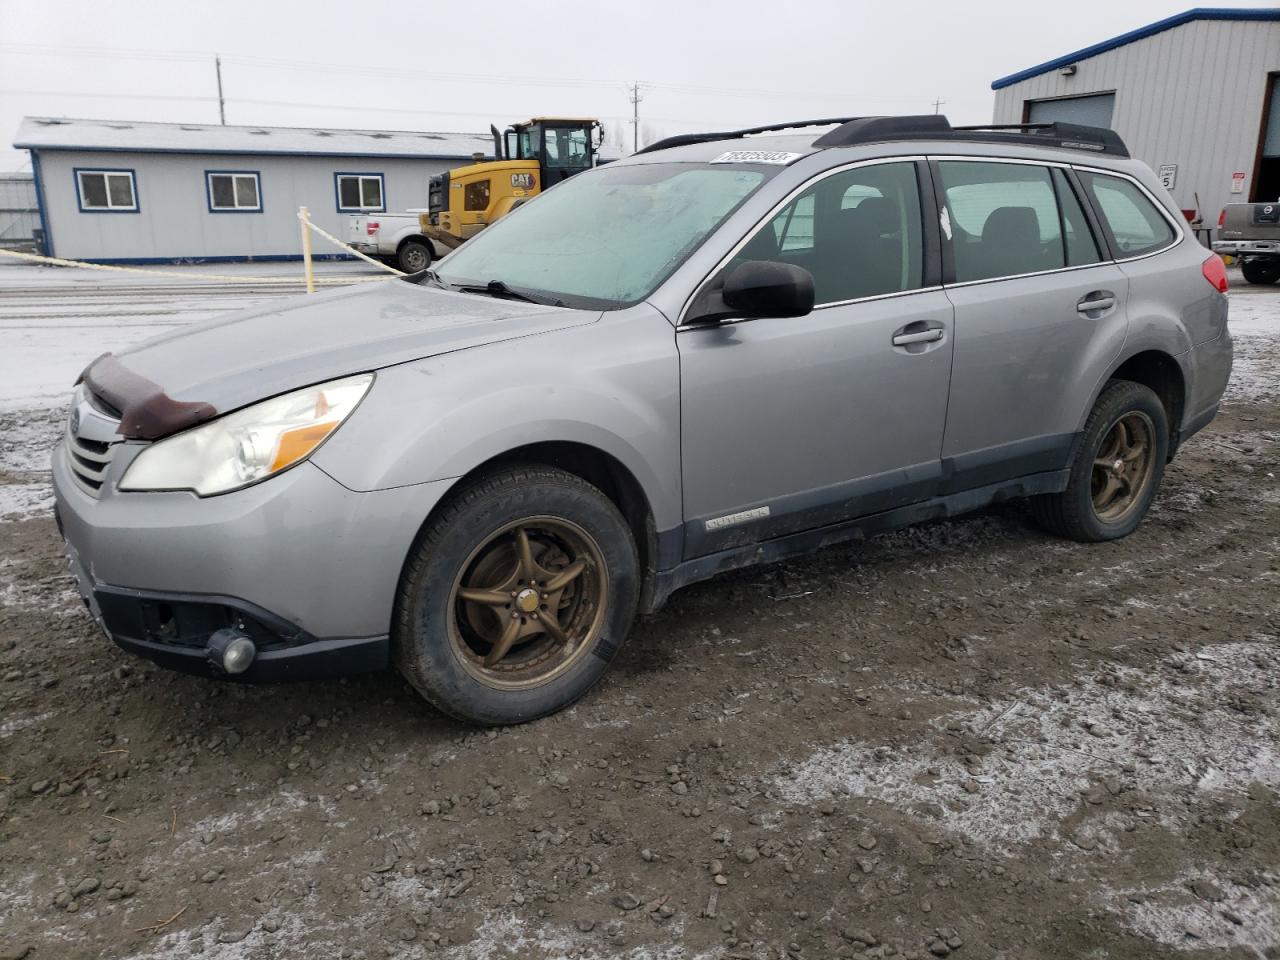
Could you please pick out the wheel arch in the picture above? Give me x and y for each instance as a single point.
(1161, 372)
(599, 468)
(425, 241)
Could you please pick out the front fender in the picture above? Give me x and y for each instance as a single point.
(612, 385)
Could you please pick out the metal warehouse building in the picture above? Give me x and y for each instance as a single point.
(1196, 96)
(125, 192)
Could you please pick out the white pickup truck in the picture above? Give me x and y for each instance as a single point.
(394, 237)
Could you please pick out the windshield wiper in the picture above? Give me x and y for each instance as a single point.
(498, 288)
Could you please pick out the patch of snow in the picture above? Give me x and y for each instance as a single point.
(21, 501)
(1254, 321)
(508, 936)
(1246, 917)
(1053, 745)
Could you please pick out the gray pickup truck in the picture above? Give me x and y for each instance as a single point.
(1251, 233)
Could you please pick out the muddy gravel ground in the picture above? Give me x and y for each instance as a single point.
(964, 739)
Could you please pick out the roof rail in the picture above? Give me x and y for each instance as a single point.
(684, 139)
(850, 131)
(1071, 136)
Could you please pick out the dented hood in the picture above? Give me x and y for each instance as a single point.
(210, 368)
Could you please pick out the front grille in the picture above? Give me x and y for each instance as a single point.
(91, 441)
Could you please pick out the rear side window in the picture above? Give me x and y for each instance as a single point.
(1135, 225)
(1009, 219)
(858, 232)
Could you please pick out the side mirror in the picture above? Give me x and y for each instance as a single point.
(756, 290)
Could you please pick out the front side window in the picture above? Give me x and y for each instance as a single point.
(1128, 215)
(607, 237)
(858, 232)
(1009, 219)
(234, 192)
(359, 191)
(107, 191)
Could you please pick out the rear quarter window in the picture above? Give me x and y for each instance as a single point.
(1133, 223)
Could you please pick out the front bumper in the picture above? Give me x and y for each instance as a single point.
(303, 566)
(1247, 248)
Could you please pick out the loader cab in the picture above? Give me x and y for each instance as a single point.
(562, 146)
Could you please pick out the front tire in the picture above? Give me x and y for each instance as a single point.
(1261, 271)
(516, 596)
(1116, 469)
(413, 256)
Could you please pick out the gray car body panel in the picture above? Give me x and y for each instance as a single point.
(613, 385)
(298, 545)
(260, 352)
(817, 420)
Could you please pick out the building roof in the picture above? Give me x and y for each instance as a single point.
(1150, 30)
(130, 136)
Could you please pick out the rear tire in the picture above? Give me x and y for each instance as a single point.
(506, 541)
(413, 256)
(1116, 468)
(1261, 271)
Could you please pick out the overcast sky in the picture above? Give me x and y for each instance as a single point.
(429, 65)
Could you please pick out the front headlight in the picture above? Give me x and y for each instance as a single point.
(248, 445)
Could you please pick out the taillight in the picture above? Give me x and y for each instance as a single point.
(1222, 218)
(1215, 271)
(372, 227)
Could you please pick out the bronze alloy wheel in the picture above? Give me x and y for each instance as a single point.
(1123, 466)
(529, 602)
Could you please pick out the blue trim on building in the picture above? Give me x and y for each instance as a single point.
(180, 261)
(250, 153)
(337, 192)
(208, 190)
(1150, 30)
(133, 187)
(46, 243)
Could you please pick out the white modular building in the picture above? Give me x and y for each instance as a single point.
(134, 192)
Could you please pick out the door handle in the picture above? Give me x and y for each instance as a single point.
(1095, 302)
(920, 336)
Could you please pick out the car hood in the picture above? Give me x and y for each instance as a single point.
(258, 353)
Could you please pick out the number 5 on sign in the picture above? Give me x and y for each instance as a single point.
(1168, 174)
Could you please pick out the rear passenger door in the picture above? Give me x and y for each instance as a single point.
(1040, 315)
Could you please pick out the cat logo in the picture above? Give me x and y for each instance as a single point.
(522, 181)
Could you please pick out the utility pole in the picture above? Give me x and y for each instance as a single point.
(222, 104)
(635, 116)
(937, 104)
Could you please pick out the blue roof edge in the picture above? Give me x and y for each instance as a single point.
(1151, 29)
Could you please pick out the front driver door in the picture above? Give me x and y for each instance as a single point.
(792, 424)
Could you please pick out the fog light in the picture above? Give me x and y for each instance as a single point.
(232, 652)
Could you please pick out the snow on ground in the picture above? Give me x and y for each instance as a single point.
(1153, 732)
(1254, 321)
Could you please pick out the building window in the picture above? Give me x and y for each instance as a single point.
(360, 191)
(106, 191)
(233, 191)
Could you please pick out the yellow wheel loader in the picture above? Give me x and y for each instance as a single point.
(529, 158)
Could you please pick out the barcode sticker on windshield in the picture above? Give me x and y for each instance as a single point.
(779, 157)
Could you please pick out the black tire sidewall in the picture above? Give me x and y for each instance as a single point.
(1261, 271)
(433, 666)
(402, 256)
(1119, 399)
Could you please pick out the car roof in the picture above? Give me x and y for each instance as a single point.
(868, 137)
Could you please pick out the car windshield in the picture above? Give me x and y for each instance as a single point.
(607, 237)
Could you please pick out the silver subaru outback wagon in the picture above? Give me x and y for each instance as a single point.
(724, 350)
